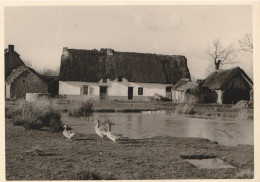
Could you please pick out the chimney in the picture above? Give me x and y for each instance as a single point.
(65, 50)
(11, 48)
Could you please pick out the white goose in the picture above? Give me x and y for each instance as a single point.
(112, 136)
(100, 131)
(68, 134)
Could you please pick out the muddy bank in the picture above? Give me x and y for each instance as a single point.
(207, 111)
(152, 158)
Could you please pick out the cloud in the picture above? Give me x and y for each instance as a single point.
(158, 22)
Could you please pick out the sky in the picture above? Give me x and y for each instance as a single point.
(40, 33)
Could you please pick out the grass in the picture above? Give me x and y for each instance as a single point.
(35, 151)
(86, 175)
(245, 174)
(36, 115)
(151, 158)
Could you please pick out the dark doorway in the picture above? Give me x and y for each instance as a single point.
(169, 92)
(130, 93)
(232, 96)
(103, 93)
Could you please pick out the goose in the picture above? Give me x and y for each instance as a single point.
(100, 131)
(68, 134)
(112, 136)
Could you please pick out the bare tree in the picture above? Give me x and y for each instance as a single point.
(28, 63)
(246, 43)
(221, 55)
(48, 72)
(44, 71)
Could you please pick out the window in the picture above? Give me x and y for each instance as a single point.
(119, 78)
(140, 90)
(104, 80)
(84, 89)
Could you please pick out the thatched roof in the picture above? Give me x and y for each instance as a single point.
(19, 71)
(93, 65)
(180, 83)
(187, 85)
(224, 79)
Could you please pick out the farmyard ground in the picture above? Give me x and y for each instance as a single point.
(43, 155)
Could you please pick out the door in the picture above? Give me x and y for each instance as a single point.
(130, 93)
(169, 92)
(103, 93)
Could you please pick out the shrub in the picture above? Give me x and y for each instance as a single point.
(185, 109)
(84, 108)
(56, 125)
(8, 113)
(48, 116)
(37, 115)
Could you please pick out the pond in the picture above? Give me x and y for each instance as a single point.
(149, 124)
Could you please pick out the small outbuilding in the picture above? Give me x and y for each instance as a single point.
(231, 85)
(179, 89)
(24, 80)
(186, 91)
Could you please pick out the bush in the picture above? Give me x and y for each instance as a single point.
(8, 113)
(48, 116)
(185, 109)
(56, 125)
(37, 115)
(84, 108)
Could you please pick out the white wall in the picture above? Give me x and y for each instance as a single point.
(115, 88)
(178, 96)
(73, 87)
(149, 89)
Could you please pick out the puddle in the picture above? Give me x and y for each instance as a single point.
(214, 163)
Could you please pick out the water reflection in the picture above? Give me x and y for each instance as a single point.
(145, 125)
(214, 163)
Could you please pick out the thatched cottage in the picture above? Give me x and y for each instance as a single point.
(231, 85)
(24, 80)
(107, 74)
(12, 60)
(20, 79)
(186, 91)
